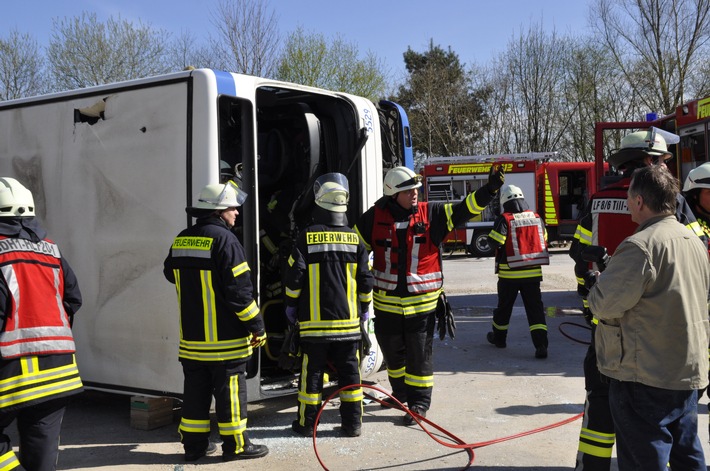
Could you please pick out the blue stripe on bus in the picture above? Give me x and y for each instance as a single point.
(225, 83)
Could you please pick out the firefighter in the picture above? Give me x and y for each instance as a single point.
(220, 325)
(328, 292)
(405, 237)
(39, 296)
(607, 222)
(520, 240)
(697, 192)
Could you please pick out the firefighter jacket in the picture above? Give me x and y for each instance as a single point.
(405, 245)
(607, 222)
(521, 240)
(218, 313)
(330, 282)
(39, 295)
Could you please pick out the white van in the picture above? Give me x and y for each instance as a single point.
(113, 167)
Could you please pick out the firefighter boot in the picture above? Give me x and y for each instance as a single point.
(497, 338)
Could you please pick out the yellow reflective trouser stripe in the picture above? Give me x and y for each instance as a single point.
(596, 443)
(9, 461)
(351, 395)
(419, 381)
(538, 327)
(398, 373)
(500, 327)
(194, 426)
(236, 427)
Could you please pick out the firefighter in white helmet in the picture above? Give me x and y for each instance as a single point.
(697, 192)
(405, 237)
(328, 293)
(520, 238)
(607, 222)
(220, 325)
(39, 296)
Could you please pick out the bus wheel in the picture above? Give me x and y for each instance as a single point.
(479, 246)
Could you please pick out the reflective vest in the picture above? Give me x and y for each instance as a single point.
(423, 264)
(611, 219)
(525, 245)
(36, 322)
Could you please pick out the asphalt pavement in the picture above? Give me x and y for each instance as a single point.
(483, 395)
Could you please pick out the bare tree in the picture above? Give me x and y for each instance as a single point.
(657, 44)
(185, 51)
(84, 51)
(247, 39)
(21, 67)
(309, 59)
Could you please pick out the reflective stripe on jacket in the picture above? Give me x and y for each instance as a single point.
(329, 279)
(218, 312)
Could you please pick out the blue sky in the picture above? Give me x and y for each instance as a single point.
(475, 29)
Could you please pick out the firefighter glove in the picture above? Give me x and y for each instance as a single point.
(291, 314)
(588, 316)
(445, 317)
(258, 339)
(590, 278)
(496, 178)
(290, 356)
(364, 313)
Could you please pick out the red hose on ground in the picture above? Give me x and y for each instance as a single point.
(458, 443)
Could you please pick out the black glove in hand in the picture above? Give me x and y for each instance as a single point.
(590, 279)
(451, 324)
(496, 178)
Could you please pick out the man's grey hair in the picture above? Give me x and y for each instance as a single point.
(657, 186)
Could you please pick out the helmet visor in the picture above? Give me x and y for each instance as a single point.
(414, 182)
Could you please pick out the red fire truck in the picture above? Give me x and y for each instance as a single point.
(558, 191)
(691, 121)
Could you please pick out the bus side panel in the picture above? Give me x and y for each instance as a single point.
(112, 194)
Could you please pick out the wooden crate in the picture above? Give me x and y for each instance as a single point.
(148, 413)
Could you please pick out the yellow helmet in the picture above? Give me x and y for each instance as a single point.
(15, 199)
(639, 144)
(332, 192)
(220, 196)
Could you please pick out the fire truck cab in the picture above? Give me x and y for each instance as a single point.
(557, 191)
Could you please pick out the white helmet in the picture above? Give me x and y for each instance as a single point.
(698, 178)
(220, 196)
(332, 192)
(15, 199)
(510, 193)
(401, 179)
(640, 144)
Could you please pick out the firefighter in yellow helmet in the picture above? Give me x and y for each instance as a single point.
(220, 325)
(39, 296)
(405, 236)
(328, 293)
